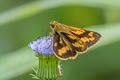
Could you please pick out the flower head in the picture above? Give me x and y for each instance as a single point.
(43, 45)
(49, 65)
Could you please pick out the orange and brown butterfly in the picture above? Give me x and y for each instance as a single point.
(69, 41)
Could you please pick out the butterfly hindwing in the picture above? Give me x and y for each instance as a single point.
(62, 49)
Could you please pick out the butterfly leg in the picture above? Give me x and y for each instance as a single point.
(49, 36)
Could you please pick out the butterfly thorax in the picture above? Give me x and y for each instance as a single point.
(59, 28)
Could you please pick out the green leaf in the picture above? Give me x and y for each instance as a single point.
(37, 6)
(16, 63)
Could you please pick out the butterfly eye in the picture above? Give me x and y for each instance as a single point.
(52, 25)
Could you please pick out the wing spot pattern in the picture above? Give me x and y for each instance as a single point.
(63, 50)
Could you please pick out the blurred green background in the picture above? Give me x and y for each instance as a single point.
(22, 21)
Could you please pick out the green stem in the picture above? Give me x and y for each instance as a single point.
(48, 68)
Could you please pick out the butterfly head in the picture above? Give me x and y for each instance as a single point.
(57, 27)
(53, 24)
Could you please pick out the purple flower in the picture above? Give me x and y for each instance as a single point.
(43, 45)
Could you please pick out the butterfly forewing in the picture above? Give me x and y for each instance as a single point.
(88, 37)
(77, 44)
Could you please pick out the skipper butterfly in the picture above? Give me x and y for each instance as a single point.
(69, 41)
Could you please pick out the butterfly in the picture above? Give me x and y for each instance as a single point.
(69, 41)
